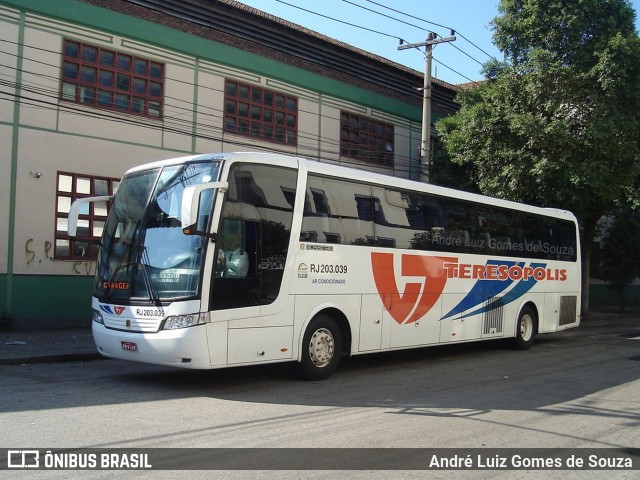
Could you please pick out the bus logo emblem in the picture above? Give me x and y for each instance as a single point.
(428, 279)
(115, 310)
(303, 270)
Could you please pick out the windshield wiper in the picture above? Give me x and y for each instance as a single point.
(111, 280)
(143, 261)
(124, 262)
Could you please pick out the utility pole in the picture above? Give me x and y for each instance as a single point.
(425, 145)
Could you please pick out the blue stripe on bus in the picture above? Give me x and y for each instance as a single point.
(482, 290)
(522, 287)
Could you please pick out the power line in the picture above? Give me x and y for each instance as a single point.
(456, 72)
(180, 81)
(40, 96)
(338, 20)
(48, 98)
(328, 17)
(420, 28)
(433, 23)
(381, 14)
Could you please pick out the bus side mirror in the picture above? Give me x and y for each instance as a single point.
(76, 207)
(191, 205)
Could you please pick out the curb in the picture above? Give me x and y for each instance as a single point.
(61, 358)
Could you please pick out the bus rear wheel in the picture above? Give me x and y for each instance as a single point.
(526, 328)
(321, 348)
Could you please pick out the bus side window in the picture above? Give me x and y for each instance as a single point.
(259, 210)
(438, 215)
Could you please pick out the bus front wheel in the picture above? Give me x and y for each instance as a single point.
(321, 348)
(526, 328)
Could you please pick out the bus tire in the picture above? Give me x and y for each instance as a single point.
(526, 328)
(321, 348)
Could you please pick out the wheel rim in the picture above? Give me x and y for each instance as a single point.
(321, 347)
(526, 327)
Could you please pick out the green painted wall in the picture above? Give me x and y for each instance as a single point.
(603, 297)
(48, 296)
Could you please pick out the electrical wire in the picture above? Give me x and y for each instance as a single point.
(416, 26)
(339, 21)
(34, 95)
(435, 24)
(382, 33)
(180, 81)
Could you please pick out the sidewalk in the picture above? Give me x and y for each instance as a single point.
(56, 341)
(68, 343)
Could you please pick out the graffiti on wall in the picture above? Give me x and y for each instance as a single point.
(34, 255)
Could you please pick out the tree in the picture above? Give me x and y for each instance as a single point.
(448, 174)
(620, 256)
(557, 124)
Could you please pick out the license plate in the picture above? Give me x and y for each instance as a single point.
(129, 346)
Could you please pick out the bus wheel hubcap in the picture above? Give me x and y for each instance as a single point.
(526, 327)
(321, 347)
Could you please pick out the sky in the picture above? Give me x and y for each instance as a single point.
(454, 62)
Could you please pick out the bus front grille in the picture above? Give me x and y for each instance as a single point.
(140, 325)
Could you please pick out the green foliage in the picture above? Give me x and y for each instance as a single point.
(556, 124)
(448, 174)
(571, 31)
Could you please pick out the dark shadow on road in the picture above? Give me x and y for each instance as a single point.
(454, 380)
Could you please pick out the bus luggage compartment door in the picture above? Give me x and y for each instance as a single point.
(247, 345)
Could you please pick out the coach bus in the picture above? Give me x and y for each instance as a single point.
(221, 260)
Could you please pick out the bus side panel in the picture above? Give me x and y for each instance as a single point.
(249, 345)
(561, 311)
(459, 327)
(231, 340)
(414, 331)
(490, 318)
(371, 323)
(217, 343)
(548, 321)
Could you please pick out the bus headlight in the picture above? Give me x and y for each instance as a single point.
(184, 321)
(97, 317)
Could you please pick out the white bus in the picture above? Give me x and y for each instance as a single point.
(221, 260)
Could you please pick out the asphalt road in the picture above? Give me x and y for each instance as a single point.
(573, 390)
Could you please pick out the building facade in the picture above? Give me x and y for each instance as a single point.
(90, 88)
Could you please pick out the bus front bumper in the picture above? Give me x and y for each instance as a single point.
(184, 347)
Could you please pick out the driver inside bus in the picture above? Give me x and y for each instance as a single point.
(233, 261)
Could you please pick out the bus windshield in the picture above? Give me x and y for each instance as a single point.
(144, 255)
